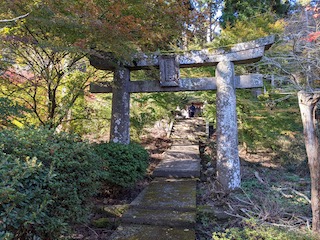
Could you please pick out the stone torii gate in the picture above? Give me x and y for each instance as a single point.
(225, 82)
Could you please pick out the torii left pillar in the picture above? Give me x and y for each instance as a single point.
(120, 117)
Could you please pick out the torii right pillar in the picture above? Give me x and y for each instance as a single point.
(228, 163)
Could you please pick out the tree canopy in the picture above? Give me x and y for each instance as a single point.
(43, 49)
(114, 26)
(244, 10)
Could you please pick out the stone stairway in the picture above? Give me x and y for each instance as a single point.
(166, 209)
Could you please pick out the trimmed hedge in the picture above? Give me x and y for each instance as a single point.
(46, 182)
(124, 164)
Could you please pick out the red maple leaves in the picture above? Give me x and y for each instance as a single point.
(312, 37)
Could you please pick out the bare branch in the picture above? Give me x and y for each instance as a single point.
(14, 19)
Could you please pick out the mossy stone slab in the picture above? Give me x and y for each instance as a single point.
(170, 154)
(113, 210)
(180, 162)
(160, 217)
(187, 148)
(183, 141)
(144, 232)
(171, 194)
(178, 168)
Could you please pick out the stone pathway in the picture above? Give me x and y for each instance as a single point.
(166, 209)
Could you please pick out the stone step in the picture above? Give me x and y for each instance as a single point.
(160, 217)
(187, 134)
(181, 168)
(180, 162)
(178, 155)
(189, 137)
(147, 232)
(184, 148)
(183, 141)
(168, 194)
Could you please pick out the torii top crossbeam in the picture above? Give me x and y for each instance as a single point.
(169, 65)
(247, 52)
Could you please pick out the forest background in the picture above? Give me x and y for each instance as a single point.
(45, 69)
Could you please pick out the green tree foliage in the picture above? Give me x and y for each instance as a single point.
(10, 112)
(242, 31)
(42, 72)
(211, 11)
(247, 10)
(43, 53)
(271, 121)
(147, 108)
(258, 124)
(50, 83)
(89, 116)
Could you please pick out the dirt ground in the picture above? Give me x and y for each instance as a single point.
(271, 194)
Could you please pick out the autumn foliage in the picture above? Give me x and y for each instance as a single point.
(315, 11)
(108, 25)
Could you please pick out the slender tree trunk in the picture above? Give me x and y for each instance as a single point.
(307, 104)
(52, 105)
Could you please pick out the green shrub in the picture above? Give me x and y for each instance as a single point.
(24, 196)
(124, 164)
(261, 232)
(47, 180)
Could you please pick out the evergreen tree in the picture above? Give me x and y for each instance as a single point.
(244, 10)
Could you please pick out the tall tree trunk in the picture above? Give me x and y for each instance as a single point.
(307, 104)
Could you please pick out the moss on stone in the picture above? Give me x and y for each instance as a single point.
(115, 210)
(104, 223)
